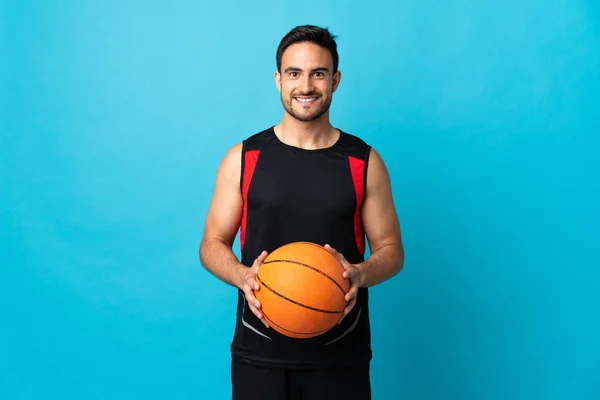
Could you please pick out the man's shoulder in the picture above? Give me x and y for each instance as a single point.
(356, 145)
(257, 139)
(253, 141)
(355, 139)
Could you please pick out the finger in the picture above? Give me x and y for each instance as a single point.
(350, 273)
(251, 277)
(259, 315)
(351, 293)
(346, 311)
(332, 250)
(350, 306)
(264, 321)
(255, 265)
(262, 257)
(252, 282)
(252, 300)
(255, 310)
(339, 256)
(258, 262)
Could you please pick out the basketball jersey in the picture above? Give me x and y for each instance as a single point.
(289, 195)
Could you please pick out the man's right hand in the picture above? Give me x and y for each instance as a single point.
(249, 284)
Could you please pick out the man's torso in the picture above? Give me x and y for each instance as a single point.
(291, 195)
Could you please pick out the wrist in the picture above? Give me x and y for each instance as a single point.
(238, 276)
(362, 273)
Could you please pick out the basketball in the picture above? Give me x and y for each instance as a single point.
(302, 290)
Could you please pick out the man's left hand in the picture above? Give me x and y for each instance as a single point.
(353, 273)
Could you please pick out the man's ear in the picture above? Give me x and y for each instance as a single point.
(337, 77)
(277, 77)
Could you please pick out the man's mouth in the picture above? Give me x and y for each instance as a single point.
(306, 100)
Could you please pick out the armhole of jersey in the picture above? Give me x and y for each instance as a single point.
(367, 157)
(248, 166)
(243, 164)
(365, 172)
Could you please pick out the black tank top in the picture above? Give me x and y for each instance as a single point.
(291, 195)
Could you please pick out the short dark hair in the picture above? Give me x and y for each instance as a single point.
(309, 33)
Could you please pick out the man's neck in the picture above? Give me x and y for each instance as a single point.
(309, 135)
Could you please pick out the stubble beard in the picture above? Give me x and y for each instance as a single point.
(320, 111)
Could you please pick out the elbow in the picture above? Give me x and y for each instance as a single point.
(202, 250)
(399, 265)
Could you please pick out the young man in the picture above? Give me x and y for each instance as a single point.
(303, 180)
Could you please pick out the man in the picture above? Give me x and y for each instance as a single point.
(303, 180)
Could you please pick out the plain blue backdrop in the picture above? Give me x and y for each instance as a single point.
(115, 115)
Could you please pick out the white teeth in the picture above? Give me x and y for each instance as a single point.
(306, 100)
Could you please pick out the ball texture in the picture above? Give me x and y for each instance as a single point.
(302, 290)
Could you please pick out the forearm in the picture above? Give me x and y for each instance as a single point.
(382, 264)
(219, 260)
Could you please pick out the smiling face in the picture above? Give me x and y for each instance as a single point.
(307, 81)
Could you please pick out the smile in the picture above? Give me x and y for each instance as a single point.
(306, 100)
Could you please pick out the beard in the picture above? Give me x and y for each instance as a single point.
(297, 111)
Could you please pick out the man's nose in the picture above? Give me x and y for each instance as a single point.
(307, 84)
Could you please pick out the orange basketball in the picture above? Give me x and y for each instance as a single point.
(302, 290)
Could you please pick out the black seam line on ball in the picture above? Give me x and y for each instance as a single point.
(311, 267)
(295, 302)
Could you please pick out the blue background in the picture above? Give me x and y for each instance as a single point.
(114, 117)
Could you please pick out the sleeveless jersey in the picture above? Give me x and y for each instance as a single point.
(289, 195)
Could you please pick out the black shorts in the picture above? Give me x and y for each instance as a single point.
(259, 383)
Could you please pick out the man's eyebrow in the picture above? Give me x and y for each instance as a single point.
(296, 69)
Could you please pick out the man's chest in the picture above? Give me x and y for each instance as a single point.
(302, 185)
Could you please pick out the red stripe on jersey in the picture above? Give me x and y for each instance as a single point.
(250, 159)
(357, 168)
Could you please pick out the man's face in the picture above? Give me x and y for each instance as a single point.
(306, 81)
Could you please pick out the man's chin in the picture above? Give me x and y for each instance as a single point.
(306, 117)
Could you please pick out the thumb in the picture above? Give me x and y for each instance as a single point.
(262, 256)
(336, 254)
(259, 260)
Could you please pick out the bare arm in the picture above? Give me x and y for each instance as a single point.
(221, 226)
(223, 221)
(381, 226)
(382, 229)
